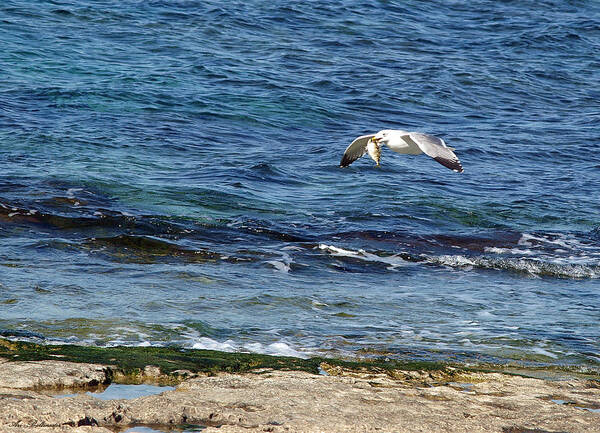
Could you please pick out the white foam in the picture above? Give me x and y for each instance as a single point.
(562, 240)
(515, 251)
(535, 267)
(455, 261)
(71, 192)
(292, 248)
(206, 343)
(276, 349)
(280, 266)
(318, 304)
(393, 260)
(526, 239)
(338, 251)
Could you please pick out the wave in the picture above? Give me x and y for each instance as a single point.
(391, 261)
(278, 348)
(554, 255)
(125, 237)
(533, 267)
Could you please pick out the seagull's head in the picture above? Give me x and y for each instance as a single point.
(381, 136)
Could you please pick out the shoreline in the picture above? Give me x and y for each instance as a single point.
(233, 392)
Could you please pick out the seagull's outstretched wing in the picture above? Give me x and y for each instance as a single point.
(355, 150)
(437, 149)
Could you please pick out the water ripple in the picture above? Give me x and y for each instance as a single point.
(177, 163)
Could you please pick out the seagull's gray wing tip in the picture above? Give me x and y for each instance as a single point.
(452, 163)
(346, 161)
(437, 149)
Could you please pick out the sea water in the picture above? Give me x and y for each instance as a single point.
(169, 176)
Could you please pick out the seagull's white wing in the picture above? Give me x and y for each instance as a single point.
(437, 149)
(355, 150)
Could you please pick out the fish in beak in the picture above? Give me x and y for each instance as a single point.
(374, 150)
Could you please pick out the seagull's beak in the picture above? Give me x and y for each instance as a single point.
(375, 140)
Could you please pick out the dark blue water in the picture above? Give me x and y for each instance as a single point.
(170, 177)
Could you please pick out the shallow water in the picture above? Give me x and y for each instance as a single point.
(161, 429)
(116, 391)
(128, 392)
(170, 177)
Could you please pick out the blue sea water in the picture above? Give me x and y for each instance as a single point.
(170, 177)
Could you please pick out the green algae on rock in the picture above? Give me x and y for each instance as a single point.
(174, 361)
(167, 365)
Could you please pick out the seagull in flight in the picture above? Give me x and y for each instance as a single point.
(410, 143)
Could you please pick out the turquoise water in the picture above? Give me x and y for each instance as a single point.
(170, 177)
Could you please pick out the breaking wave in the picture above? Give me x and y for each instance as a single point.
(542, 255)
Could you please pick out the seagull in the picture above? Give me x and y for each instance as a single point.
(410, 143)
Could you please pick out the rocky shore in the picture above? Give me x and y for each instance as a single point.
(341, 398)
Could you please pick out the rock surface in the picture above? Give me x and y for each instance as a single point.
(288, 401)
(51, 374)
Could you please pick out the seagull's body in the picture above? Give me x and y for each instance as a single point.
(408, 143)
